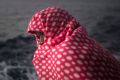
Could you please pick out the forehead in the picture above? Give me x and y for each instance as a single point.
(38, 33)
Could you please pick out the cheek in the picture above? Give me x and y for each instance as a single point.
(41, 39)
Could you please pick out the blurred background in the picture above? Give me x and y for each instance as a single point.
(100, 17)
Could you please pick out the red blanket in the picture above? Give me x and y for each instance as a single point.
(68, 53)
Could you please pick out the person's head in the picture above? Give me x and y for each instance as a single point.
(55, 23)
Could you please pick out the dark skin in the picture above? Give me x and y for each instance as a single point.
(40, 36)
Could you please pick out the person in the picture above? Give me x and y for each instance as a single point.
(66, 52)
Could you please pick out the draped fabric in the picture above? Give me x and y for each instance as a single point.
(68, 53)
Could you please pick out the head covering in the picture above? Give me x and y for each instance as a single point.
(56, 23)
(68, 53)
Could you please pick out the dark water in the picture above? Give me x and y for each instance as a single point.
(101, 19)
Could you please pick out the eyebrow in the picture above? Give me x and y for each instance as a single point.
(42, 33)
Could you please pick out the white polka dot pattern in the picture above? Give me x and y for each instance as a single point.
(67, 52)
